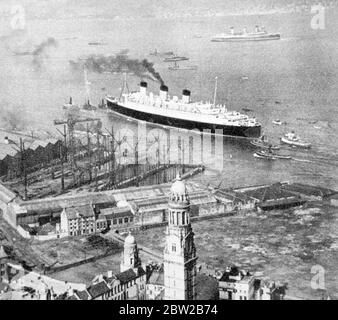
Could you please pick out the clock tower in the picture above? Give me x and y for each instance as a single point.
(179, 252)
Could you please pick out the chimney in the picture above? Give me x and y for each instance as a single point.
(110, 274)
(143, 87)
(186, 96)
(70, 100)
(6, 140)
(256, 29)
(232, 31)
(163, 92)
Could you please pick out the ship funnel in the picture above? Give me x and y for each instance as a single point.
(232, 30)
(163, 92)
(143, 87)
(186, 96)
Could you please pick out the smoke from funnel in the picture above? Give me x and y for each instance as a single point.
(118, 63)
(39, 52)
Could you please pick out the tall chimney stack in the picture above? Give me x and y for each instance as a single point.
(143, 87)
(186, 96)
(163, 92)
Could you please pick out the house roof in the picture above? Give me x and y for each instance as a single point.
(98, 289)
(129, 275)
(157, 276)
(83, 295)
(30, 143)
(6, 195)
(309, 190)
(77, 212)
(3, 253)
(111, 213)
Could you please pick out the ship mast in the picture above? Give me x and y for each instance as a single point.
(87, 84)
(124, 86)
(215, 92)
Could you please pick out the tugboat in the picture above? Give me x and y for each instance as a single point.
(263, 143)
(258, 35)
(269, 155)
(292, 139)
(102, 105)
(88, 106)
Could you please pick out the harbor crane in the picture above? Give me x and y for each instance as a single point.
(70, 123)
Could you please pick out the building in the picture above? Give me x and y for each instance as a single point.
(16, 147)
(235, 284)
(4, 258)
(78, 221)
(155, 282)
(118, 217)
(129, 284)
(179, 252)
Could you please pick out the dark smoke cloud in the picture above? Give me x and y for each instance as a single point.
(39, 52)
(118, 63)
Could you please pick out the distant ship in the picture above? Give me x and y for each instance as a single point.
(175, 58)
(161, 54)
(177, 67)
(183, 113)
(258, 35)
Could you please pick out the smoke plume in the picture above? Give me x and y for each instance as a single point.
(40, 51)
(118, 63)
(13, 120)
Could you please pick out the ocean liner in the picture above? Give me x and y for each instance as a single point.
(183, 113)
(258, 35)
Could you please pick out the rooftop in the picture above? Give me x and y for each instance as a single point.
(157, 276)
(77, 212)
(98, 289)
(129, 275)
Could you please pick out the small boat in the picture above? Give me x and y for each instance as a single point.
(268, 154)
(293, 140)
(277, 122)
(264, 144)
(263, 155)
(88, 106)
(102, 105)
(247, 109)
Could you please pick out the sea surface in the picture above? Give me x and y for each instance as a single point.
(294, 80)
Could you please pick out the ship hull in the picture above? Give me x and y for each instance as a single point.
(248, 38)
(243, 131)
